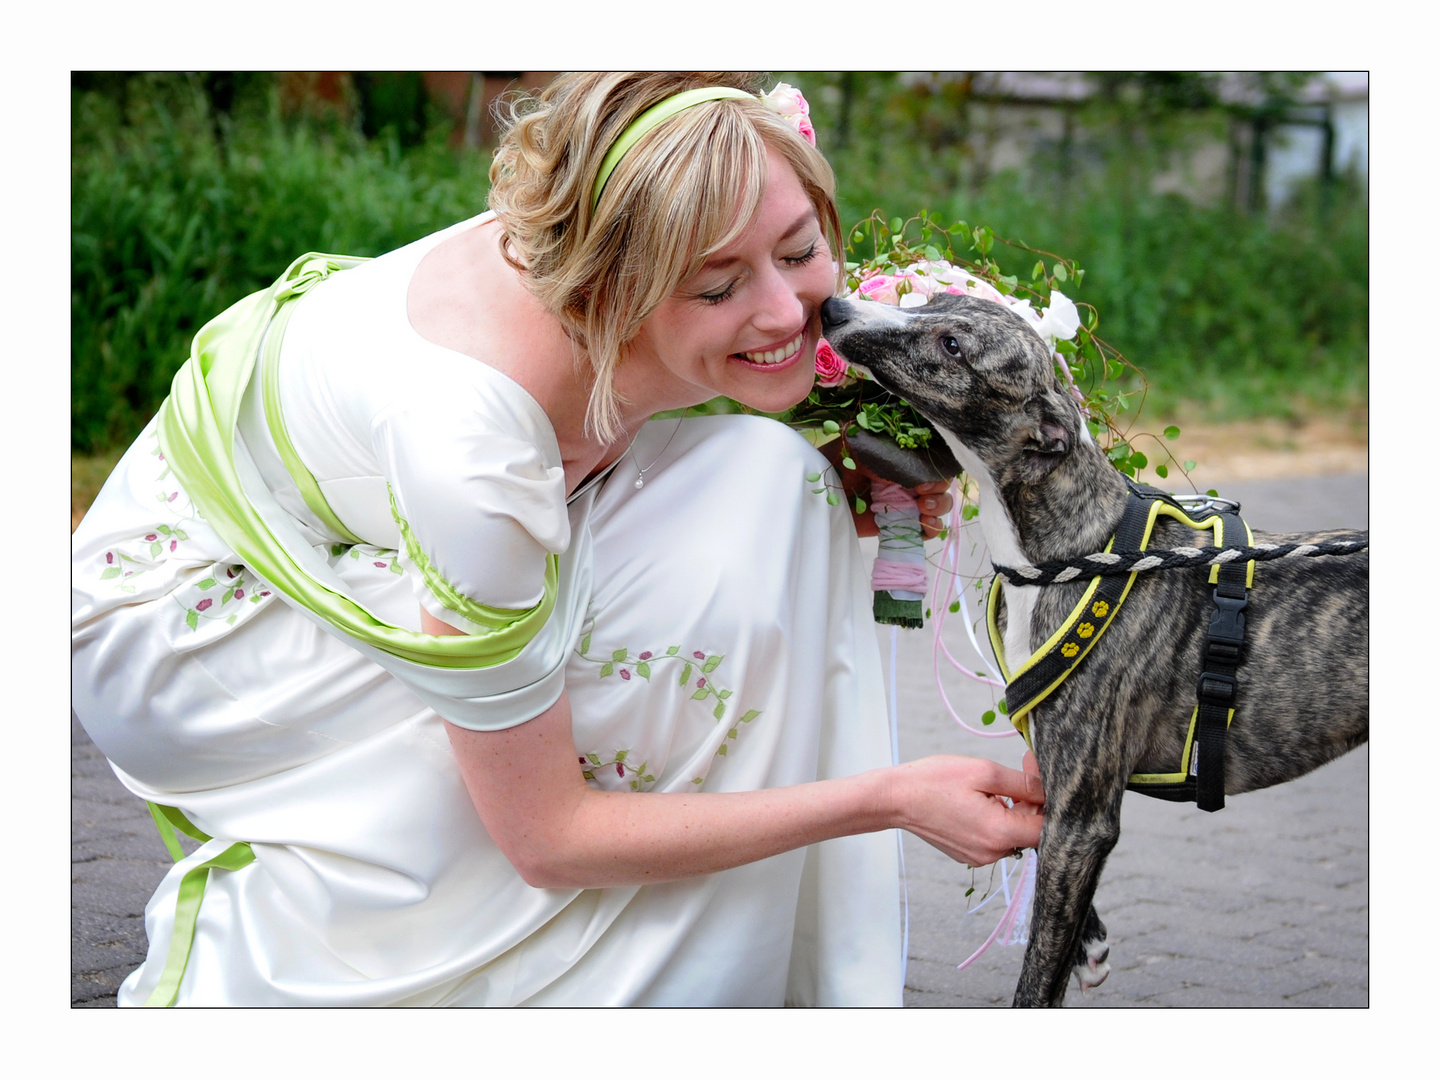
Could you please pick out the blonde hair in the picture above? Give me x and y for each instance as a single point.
(683, 192)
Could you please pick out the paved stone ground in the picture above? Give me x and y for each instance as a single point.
(1265, 903)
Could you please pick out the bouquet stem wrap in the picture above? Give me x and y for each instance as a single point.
(899, 577)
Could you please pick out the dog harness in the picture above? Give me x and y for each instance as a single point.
(1201, 776)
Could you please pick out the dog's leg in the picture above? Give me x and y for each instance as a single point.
(1082, 824)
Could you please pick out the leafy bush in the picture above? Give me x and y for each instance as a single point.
(177, 213)
(179, 209)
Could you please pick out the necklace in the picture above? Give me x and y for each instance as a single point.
(640, 483)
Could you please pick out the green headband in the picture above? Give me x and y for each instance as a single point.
(650, 119)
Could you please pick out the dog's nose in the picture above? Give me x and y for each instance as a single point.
(834, 312)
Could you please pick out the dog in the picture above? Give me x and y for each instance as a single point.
(987, 383)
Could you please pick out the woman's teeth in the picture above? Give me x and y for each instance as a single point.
(774, 356)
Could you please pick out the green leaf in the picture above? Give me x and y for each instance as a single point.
(608, 669)
(896, 225)
(725, 694)
(192, 618)
(395, 567)
(1039, 270)
(336, 550)
(164, 529)
(1172, 432)
(1139, 460)
(1213, 493)
(970, 890)
(932, 253)
(969, 511)
(703, 692)
(622, 755)
(643, 670)
(722, 751)
(619, 654)
(812, 477)
(634, 785)
(830, 427)
(231, 620)
(587, 774)
(672, 650)
(733, 733)
(988, 718)
(594, 759)
(1004, 708)
(848, 462)
(817, 491)
(227, 597)
(685, 675)
(584, 644)
(719, 710)
(749, 716)
(1161, 471)
(155, 548)
(1189, 465)
(712, 663)
(181, 535)
(1061, 273)
(111, 572)
(860, 505)
(955, 607)
(832, 499)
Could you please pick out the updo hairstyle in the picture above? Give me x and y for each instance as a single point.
(684, 191)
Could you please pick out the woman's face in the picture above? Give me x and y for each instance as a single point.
(746, 325)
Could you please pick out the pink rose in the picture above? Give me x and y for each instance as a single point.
(830, 368)
(204, 604)
(806, 129)
(625, 674)
(880, 288)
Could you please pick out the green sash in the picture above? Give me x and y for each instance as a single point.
(197, 430)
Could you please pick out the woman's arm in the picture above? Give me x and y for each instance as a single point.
(561, 833)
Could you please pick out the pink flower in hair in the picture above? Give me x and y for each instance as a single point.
(791, 104)
(830, 368)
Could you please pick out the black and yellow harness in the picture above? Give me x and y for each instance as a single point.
(1201, 776)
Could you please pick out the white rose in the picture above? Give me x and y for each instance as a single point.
(1061, 319)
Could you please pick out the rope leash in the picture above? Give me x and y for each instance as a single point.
(1120, 563)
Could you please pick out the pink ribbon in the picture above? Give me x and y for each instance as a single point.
(889, 575)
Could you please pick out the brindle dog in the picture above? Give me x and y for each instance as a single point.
(986, 381)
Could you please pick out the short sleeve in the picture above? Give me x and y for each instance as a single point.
(477, 490)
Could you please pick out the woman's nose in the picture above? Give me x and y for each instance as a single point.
(780, 305)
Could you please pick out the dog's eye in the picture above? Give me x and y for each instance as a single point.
(950, 345)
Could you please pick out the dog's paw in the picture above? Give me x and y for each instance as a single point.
(1096, 966)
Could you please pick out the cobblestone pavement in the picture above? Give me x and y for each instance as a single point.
(1265, 903)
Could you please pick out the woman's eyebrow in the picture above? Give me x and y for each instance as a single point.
(800, 222)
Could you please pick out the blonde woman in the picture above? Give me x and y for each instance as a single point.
(477, 687)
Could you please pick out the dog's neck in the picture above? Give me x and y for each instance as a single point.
(1072, 511)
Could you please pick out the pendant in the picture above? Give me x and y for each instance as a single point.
(639, 483)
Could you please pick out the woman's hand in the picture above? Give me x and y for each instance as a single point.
(934, 499)
(957, 804)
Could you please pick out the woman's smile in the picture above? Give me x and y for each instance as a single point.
(775, 357)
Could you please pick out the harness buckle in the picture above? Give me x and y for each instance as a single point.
(1227, 628)
(1216, 689)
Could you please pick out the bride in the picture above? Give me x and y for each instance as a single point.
(479, 685)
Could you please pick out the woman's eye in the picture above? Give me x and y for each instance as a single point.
(718, 297)
(950, 345)
(801, 260)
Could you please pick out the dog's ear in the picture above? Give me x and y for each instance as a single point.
(1049, 443)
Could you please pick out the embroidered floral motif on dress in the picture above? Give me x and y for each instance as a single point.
(643, 664)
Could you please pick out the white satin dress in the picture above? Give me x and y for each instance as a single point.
(712, 630)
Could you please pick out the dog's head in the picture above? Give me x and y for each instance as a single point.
(975, 369)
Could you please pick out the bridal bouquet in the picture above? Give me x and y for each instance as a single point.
(909, 262)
